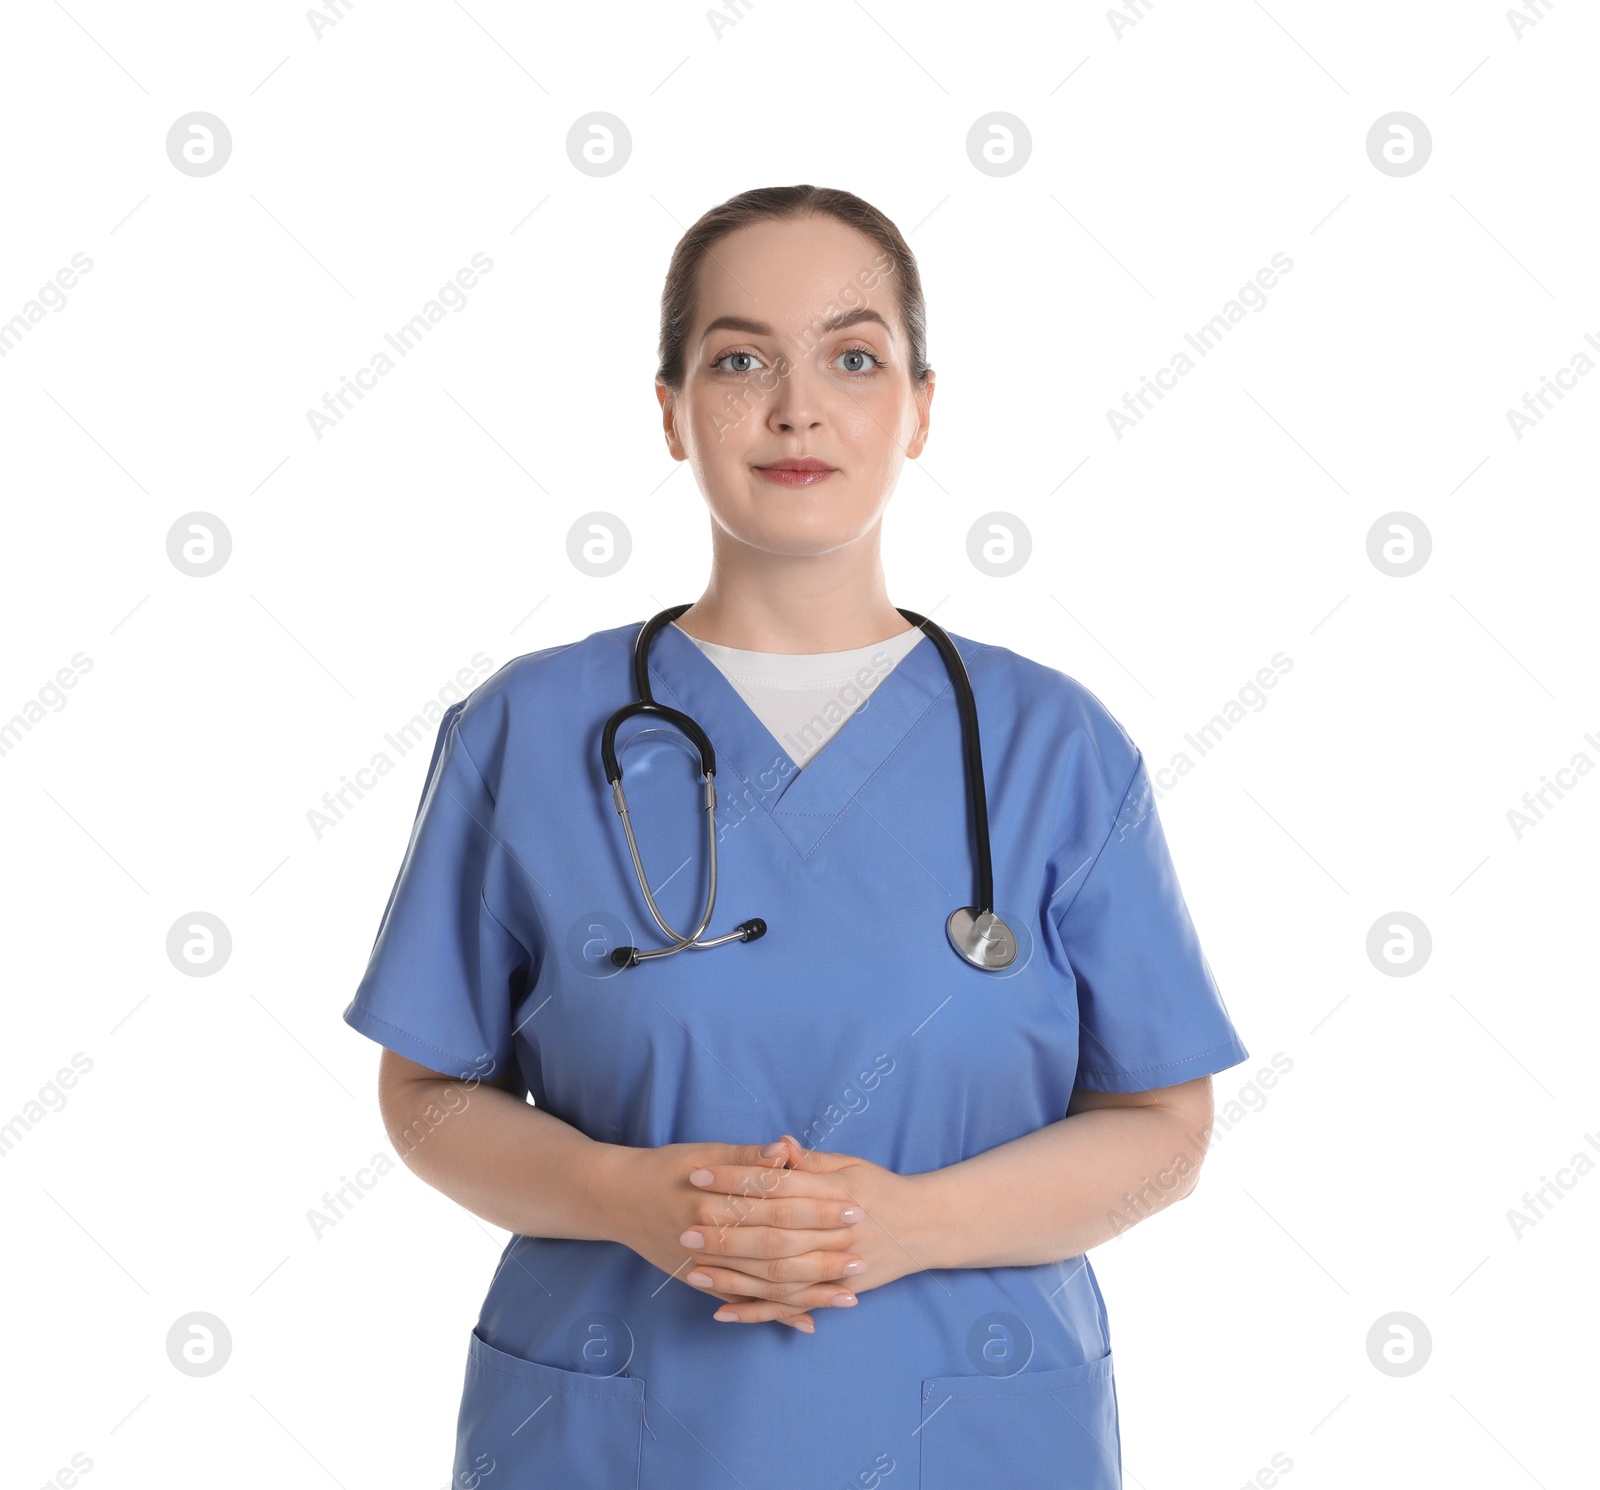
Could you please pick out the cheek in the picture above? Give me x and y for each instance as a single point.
(875, 427)
(724, 427)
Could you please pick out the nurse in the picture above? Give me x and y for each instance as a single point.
(809, 1209)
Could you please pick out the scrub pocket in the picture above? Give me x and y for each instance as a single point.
(524, 1424)
(1037, 1429)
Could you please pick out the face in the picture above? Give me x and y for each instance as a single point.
(772, 376)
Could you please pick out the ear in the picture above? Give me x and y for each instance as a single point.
(923, 397)
(669, 420)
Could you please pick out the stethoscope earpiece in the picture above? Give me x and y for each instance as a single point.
(746, 931)
(979, 936)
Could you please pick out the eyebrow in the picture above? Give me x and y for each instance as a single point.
(760, 328)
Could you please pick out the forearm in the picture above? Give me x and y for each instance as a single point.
(1055, 1193)
(518, 1167)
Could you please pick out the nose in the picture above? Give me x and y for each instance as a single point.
(794, 404)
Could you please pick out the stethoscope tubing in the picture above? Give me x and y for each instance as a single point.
(971, 749)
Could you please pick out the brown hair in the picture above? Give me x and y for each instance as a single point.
(764, 203)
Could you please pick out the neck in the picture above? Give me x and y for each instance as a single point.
(766, 602)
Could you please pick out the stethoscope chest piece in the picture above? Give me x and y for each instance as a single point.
(981, 938)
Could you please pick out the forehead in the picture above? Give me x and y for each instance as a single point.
(787, 272)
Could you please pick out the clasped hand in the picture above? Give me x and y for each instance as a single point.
(777, 1234)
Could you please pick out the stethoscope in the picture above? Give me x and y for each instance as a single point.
(978, 935)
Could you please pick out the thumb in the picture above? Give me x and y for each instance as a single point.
(797, 1156)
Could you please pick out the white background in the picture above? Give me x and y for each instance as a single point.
(1167, 165)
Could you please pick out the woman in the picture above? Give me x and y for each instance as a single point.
(840, 1113)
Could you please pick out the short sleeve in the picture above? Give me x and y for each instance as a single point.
(444, 973)
(1149, 1011)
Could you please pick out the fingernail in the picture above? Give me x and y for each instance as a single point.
(699, 1279)
(807, 1326)
(701, 1177)
(858, 1266)
(771, 1149)
(852, 1213)
(724, 1315)
(693, 1240)
(844, 1300)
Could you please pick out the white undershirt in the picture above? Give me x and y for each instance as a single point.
(803, 697)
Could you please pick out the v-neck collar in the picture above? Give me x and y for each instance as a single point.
(804, 804)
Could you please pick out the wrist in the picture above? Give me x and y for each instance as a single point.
(938, 1220)
(609, 1186)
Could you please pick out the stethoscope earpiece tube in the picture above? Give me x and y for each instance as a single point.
(676, 717)
(641, 649)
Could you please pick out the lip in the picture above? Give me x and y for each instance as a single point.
(797, 471)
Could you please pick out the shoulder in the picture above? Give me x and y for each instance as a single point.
(1052, 711)
(533, 676)
(534, 697)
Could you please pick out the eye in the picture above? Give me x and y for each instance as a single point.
(727, 355)
(863, 357)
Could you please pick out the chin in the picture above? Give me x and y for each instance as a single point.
(794, 541)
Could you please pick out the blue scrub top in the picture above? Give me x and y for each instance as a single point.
(851, 1024)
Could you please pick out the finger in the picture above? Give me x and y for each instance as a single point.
(747, 1183)
(750, 1154)
(760, 1309)
(743, 1228)
(816, 1286)
(755, 1311)
(775, 1311)
(820, 1266)
(801, 1297)
(813, 1161)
